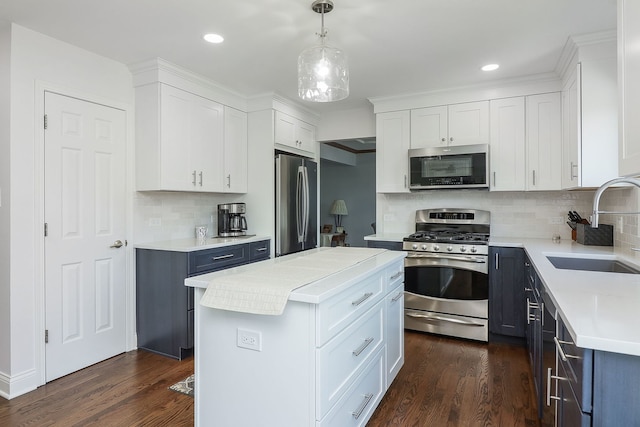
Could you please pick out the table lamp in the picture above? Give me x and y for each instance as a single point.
(338, 209)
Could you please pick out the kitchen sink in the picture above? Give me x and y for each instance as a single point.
(592, 264)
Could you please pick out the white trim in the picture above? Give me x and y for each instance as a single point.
(16, 385)
(39, 295)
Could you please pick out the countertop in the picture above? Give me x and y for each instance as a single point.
(194, 244)
(318, 291)
(387, 237)
(600, 310)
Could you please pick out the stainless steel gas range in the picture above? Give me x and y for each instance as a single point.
(446, 273)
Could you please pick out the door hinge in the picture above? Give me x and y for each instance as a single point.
(46, 229)
(126, 243)
(46, 336)
(45, 121)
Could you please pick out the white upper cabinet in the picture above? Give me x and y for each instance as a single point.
(179, 140)
(458, 124)
(235, 151)
(507, 146)
(392, 152)
(185, 142)
(526, 143)
(544, 141)
(291, 132)
(590, 115)
(629, 87)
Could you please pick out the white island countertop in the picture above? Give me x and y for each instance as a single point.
(601, 310)
(193, 244)
(317, 291)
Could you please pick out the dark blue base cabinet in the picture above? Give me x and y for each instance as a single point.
(164, 305)
(596, 388)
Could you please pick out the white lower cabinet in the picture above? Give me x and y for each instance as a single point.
(324, 364)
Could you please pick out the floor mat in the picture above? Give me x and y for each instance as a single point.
(185, 386)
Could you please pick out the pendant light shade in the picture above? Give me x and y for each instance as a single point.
(323, 73)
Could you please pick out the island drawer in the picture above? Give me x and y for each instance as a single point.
(342, 309)
(394, 275)
(218, 258)
(356, 406)
(341, 359)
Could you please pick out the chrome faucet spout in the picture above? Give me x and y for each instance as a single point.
(599, 191)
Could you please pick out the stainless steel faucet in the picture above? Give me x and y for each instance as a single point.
(599, 191)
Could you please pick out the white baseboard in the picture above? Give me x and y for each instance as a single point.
(17, 385)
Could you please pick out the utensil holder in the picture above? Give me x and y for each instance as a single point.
(601, 236)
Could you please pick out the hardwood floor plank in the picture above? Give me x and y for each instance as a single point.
(444, 382)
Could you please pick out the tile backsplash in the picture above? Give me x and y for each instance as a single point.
(517, 214)
(162, 216)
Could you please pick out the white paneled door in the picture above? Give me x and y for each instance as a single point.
(85, 217)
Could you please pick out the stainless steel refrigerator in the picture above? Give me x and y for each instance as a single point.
(296, 204)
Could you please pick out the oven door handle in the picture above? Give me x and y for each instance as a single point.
(443, 319)
(466, 258)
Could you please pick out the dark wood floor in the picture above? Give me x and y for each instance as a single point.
(444, 382)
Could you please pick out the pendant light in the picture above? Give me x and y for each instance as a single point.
(323, 73)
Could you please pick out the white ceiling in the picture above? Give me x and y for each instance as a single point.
(394, 47)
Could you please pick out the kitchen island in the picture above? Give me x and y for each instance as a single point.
(327, 360)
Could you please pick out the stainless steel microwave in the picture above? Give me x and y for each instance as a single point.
(464, 166)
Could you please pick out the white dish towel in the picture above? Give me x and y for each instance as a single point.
(265, 290)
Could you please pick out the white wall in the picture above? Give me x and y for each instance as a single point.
(5, 229)
(347, 124)
(38, 59)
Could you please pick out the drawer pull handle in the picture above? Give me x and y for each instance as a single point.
(367, 398)
(549, 378)
(563, 355)
(362, 299)
(261, 249)
(531, 305)
(217, 258)
(395, 276)
(364, 345)
(397, 297)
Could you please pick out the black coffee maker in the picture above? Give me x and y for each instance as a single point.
(231, 220)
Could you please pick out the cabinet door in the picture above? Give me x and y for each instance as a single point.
(206, 139)
(394, 332)
(392, 145)
(629, 87)
(469, 123)
(235, 151)
(506, 291)
(191, 141)
(294, 133)
(544, 142)
(429, 127)
(571, 130)
(507, 146)
(306, 136)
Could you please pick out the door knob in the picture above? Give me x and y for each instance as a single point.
(117, 244)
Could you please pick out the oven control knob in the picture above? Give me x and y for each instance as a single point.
(474, 249)
(449, 248)
(436, 248)
(414, 246)
(424, 247)
(463, 249)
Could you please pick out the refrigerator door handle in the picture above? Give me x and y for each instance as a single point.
(299, 203)
(306, 204)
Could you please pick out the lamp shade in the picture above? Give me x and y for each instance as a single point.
(338, 207)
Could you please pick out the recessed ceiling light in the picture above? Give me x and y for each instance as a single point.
(213, 38)
(490, 67)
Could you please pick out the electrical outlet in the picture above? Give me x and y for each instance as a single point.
(249, 339)
(620, 225)
(155, 222)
